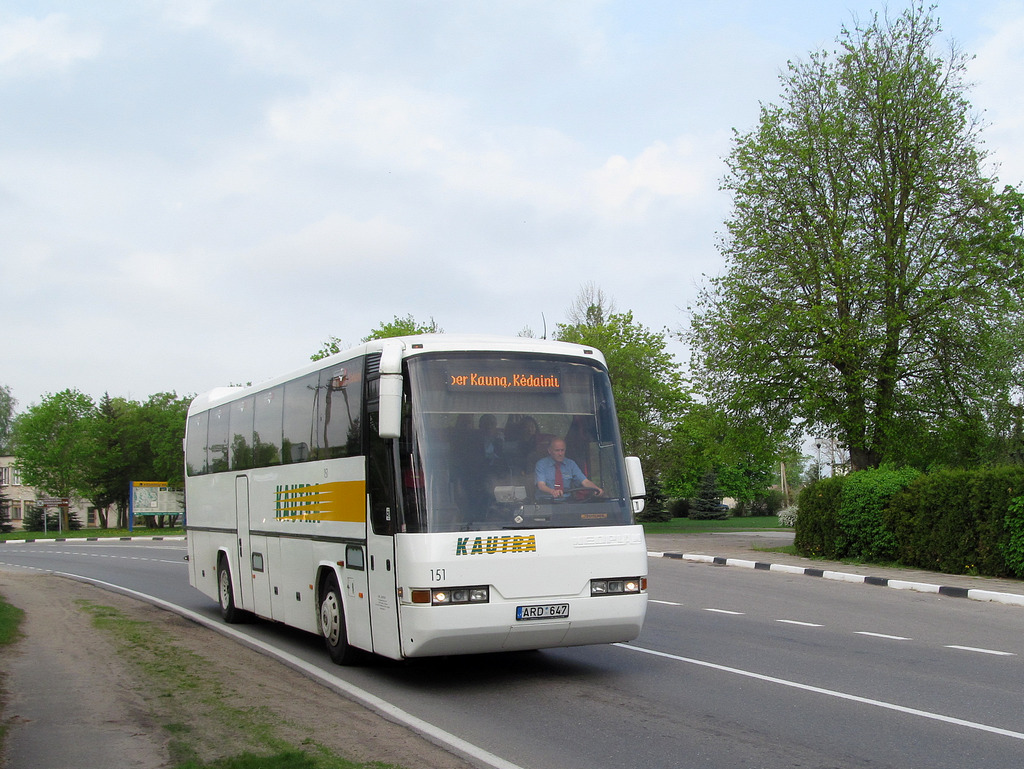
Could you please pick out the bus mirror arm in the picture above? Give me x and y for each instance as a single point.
(390, 416)
(637, 486)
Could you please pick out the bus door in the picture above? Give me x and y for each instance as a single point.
(357, 596)
(243, 572)
(382, 516)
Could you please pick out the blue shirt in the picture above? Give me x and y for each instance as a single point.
(572, 476)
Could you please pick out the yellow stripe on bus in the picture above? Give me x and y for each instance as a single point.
(336, 501)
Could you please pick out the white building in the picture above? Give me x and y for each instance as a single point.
(18, 499)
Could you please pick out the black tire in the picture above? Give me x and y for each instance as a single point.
(225, 593)
(332, 624)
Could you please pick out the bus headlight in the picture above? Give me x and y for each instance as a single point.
(618, 585)
(444, 596)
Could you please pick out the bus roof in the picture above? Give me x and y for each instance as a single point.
(405, 347)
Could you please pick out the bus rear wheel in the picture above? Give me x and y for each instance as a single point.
(332, 624)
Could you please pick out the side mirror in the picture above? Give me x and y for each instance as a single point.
(389, 419)
(389, 423)
(637, 486)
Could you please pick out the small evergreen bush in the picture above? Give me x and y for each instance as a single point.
(707, 506)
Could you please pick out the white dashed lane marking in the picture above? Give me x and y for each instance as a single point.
(866, 633)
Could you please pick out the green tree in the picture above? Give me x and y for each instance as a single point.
(34, 520)
(109, 476)
(743, 456)
(873, 285)
(648, 386)
(407, 326)
(707, 505)
(54, 444)
(163, 421)
(7, 404)
(136, 442)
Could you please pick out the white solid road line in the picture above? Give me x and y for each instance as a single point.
(427, 730)
(831, 693)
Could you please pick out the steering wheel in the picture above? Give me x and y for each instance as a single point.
(583, 494)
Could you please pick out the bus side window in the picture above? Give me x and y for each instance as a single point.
(240, 448)
(196, 462)
(300, 412)
(338, 423)
(219, 432)
(266, 435)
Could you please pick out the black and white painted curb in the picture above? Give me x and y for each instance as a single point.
(898, 584)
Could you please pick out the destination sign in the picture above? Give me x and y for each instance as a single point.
(511, 381)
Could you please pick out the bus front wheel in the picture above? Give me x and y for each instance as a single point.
(228, 610)
(332, 624)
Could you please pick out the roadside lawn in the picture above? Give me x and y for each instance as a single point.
(93, 534)
(686, 526)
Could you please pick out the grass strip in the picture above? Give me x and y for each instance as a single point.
(92, 534)
(10, 631)
(687, 526)
(185, 692)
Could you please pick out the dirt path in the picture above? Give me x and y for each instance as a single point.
(72, 702)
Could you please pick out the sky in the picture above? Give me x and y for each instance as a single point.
(197, 193)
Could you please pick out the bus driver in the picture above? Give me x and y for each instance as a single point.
(556, 475)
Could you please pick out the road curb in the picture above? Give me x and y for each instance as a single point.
(974, 594)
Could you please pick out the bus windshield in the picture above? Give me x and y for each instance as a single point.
(481, 433)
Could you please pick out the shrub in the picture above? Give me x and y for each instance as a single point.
(679, 508)
(769, 503)
(788, 516)
(958, 521)
(863, 530)
(1013, 548)
(817, 528)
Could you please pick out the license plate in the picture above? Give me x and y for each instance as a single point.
(546, 611)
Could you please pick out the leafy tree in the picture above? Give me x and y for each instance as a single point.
(53, 443)
(743, 455)
(111, 473)
(407, 326)
(163, 422)
(646, 381)
(873, 285)
(7, 404)
(137, 442)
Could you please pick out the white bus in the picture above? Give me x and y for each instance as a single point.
(386, 499)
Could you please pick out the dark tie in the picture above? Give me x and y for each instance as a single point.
(558, 475)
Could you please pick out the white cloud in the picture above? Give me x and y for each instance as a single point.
(337, 243)
(684, 171)
(33, 46)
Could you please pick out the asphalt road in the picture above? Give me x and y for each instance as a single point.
(735, 668)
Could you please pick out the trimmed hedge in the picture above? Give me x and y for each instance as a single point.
(954, 521)
(844, 516)
(817, 526)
